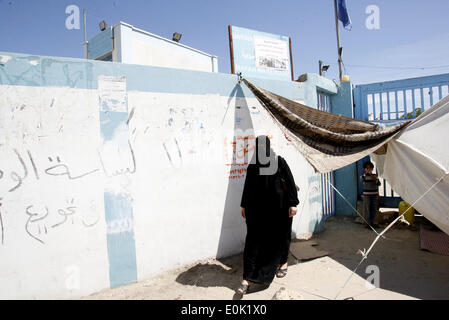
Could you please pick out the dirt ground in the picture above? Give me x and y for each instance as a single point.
(405, 272)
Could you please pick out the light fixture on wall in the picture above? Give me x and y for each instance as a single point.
(103, 25)
(176, 37)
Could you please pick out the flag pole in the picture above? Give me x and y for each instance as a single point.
(338, 39)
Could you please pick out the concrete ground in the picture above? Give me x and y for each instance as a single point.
(405, 271)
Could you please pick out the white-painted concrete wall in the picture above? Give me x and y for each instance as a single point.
(136, 46)
(188, 207)
(53, 228)
(75, 134)
(185, 199)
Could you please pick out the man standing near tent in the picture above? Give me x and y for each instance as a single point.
(370, 193)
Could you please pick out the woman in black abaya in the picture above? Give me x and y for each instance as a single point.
(268, 204)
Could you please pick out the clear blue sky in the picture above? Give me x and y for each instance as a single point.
(412, 33)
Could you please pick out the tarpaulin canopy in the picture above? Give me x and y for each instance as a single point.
(417, 157)
(328, 141)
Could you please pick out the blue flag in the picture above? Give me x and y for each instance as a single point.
(343, 15)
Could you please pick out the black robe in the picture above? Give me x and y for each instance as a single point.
(266, 199)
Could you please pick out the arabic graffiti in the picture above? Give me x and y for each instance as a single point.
(37, 218)
(62, 169)
(176, 156)
(38, 225)
(58, 169)
(237, 173)
(15, 176)
(117, 172)
(40, 220)
(242, 147)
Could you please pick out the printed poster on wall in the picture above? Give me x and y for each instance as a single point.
(112, 92)
(260, 54)
(271, 53)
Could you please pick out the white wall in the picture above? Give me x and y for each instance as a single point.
(103, 187)
(41, 255)
(185, 205)
(188, 208)
(139, 47)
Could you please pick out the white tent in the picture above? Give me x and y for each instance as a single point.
(417, 164)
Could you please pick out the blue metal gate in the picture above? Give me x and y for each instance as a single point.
(394, 101)
(327, 192)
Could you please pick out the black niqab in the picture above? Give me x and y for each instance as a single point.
(268, 192)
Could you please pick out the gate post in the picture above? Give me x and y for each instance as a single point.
(345, 179)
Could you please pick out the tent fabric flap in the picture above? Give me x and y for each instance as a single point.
(328, 141)
(417, 158)
(417, 164)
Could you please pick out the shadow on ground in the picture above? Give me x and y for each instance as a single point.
(404, 267)
(212, 275)
(228, 274)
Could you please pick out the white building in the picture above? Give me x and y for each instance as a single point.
(128, 44)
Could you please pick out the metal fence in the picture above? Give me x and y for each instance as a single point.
(394, 101)
(328, 193)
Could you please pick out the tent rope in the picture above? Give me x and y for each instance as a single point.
(365, 253)
(399, 217)
(352, 207)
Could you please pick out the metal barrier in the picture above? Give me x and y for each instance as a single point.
(327, 192)
(389, 102)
